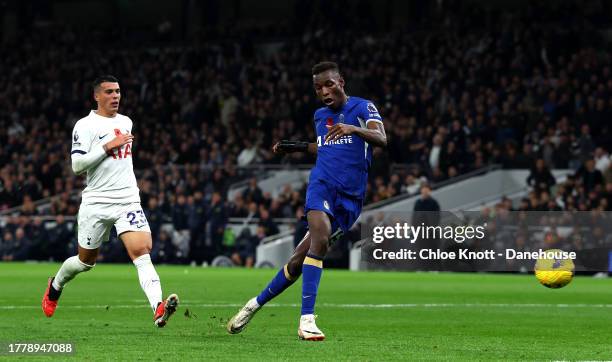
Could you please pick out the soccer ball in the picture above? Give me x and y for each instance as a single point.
(554, 273)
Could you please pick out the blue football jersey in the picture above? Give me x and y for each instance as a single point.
(345, 162)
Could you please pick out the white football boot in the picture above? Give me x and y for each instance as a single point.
(308, 330)
(240, 320)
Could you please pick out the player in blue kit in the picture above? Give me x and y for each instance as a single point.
(346, 129)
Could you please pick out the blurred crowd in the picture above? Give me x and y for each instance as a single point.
(581, 205)
(589, 188)
(460, 88)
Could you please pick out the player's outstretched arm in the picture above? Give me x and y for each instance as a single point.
(286, 146)
(374, 134)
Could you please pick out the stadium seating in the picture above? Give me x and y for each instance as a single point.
(455, 98)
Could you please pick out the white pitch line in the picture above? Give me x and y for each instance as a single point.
(332, 305)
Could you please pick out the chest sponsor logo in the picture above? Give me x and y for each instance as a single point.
(120, 152)
(344, 140)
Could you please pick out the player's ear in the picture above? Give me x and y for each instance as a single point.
(341, 81)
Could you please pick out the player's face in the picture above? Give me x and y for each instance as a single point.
(108, 96)
(329, 87)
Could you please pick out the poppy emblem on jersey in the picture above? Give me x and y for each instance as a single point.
(330, 121)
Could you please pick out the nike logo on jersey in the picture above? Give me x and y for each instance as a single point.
(100, 137)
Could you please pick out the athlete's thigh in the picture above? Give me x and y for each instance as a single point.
(133, 229)
(130, 217)
(321, 197)
(319, 225)
(93, 225)
(347, 211)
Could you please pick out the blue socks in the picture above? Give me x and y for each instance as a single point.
(279, 283)
(311, 276)
(311, 271)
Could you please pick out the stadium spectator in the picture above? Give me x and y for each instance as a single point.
(18, 247)
(6, 246)
(154, 215)
(426, 212)
(252, 193)
(237, 208)
(590, 177)
(412, 184)
(266, 222)
(59, 239)
(36, 236)
(435, 152)
(217, 220)
(602, 159)
(197, 227)
(540, 177)
(243, 253)
(426, 202)
(164, 251)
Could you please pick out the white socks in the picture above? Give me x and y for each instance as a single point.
(71, 267)
(149, 280)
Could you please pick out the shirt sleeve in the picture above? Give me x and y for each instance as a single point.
(84, 156)
(370, 113)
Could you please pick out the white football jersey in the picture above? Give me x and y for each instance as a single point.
(112, 180)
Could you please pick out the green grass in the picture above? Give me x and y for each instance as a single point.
(429, 316)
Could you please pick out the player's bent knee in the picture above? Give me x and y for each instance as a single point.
(86, 266)
(87, 262)
(319, 246)
(294, 268)
(138, 252)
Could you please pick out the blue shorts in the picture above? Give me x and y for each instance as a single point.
(343, 209)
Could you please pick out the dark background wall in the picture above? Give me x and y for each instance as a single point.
(186, 17)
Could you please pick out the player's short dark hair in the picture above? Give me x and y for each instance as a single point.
(325, 66)
(101, 79)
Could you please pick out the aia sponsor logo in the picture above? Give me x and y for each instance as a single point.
(123, 151)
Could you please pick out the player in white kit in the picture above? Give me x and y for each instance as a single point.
(102, 147)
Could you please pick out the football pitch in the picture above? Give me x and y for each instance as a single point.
(366, 316)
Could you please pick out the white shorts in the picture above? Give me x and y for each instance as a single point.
(95, 221)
